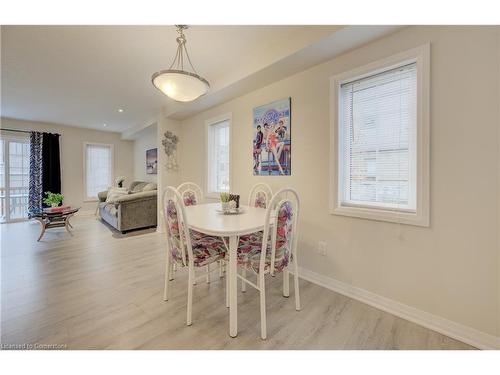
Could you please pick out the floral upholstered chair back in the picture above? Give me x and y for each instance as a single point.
(260, 195)
(173, 215)
(191, 193)
(283, 212)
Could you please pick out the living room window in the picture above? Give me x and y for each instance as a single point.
(14, 177)
(381, 140)
(218, 151)
(98, 164)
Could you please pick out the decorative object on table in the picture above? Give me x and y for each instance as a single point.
(235, 198)
(49, 219)
(169, 142)
(230, 204)
(57, 209)
(152, 161)
(224, 201)
(231, 210)
(272, 145)
(175, 82)
(53, 199)
(119, 181)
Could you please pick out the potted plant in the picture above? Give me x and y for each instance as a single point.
(53, 199)
(224, 201)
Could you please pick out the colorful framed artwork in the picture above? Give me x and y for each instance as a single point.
(272, 142)
(152, 161)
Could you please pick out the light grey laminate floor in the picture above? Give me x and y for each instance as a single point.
(101, 290)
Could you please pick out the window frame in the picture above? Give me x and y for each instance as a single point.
(112, 164)
(208, 123)
(420, 55)
(7, 138)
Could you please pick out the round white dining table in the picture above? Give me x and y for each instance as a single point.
(204, 218)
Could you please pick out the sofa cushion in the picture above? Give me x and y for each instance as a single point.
(150, 187)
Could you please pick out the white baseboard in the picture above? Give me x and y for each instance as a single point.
(444, 326)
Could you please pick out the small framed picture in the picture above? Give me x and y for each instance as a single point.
(152, 161)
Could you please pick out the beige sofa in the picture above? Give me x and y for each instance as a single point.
(137, 209)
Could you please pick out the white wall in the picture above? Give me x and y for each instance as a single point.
(145, 139)
(71, 148)
(449, 269)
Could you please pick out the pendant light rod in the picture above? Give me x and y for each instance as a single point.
(181, 50)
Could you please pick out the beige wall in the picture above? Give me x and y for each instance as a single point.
(71, 147)
(498, 170)
(449, 269)
(145, 139)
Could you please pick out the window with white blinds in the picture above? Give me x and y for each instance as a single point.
(377, 140)
(98, 168)
(218, 156)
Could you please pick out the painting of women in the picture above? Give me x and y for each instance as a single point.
(272, 139)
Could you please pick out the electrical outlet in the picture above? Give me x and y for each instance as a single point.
(322, 248)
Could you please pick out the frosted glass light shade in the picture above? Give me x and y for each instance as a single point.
(180, 85)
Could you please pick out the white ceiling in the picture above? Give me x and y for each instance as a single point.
(82, 75)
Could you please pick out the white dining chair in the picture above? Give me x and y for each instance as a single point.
(185, 247)
(191, 193)
(260, 195)
(273, 250)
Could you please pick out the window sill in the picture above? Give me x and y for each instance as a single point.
(392, 216)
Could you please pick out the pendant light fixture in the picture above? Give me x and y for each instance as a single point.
(175, 82)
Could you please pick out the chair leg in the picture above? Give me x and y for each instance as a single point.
(227, 288)
(171, 273)
(221, 270)
(286, 283)
(190, 296)
(174, 270)
(208, 273)
(263, 325)
(243, 284)
(296, 284)
(167, 277)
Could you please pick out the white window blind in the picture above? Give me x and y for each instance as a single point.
(218, 157)
(377, 135)
(98, 168)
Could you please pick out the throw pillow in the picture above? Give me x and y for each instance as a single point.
(138, 187)
(115, 193)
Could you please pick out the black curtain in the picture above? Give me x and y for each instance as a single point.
(51, 164)
(35, 183)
